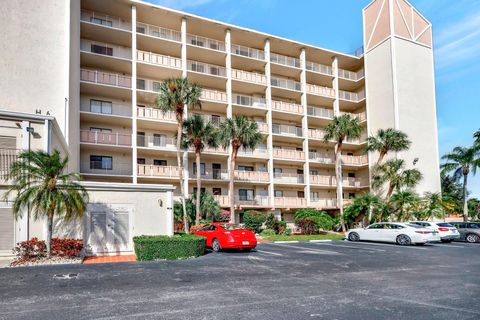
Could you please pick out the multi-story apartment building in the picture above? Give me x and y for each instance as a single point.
(98, 65)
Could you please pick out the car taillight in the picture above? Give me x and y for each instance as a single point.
(442, 229)
(226, 232)
(423, 232)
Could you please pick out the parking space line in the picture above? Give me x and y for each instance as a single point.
(267, 252)
(386, 245)
(446, 245)
(352, 247)
(307, 249)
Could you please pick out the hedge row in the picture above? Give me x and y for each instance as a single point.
(168, 248)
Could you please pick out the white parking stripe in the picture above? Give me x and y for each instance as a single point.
(267, 252)
(306, 249)
(393, 245)
(352, 247)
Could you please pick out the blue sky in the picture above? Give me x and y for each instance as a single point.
(337, 25)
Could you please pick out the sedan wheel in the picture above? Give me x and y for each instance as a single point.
(404, 240)
(216, 245)
(353, 236)
(472, 238)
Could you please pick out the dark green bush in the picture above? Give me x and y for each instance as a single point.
(321, 218)
(168, 248)
(271, 221)
(254, 220)
(308, 226)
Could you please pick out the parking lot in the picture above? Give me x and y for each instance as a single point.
(322, 280)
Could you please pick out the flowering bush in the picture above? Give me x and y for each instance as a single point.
(34, 248)
(196, 227)
(308, 226)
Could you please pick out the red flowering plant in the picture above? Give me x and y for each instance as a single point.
(34, 248)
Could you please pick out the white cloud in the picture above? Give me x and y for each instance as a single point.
(181, 4)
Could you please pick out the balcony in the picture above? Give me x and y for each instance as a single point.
(316, 134)
(106, 138)
(285, 60)
(350, 75)
(323, 180)
(320, 91)
(98, 168)
(105, 78)
(158, 59)
(105, 20)
(361, 140)
(206, 68)
(262, 127)
(319, 68)
(352, 96)
(290, 202)
(283, 129)
(361, 116)
(288, 154)
(148, 85)
(248, 52)
(106, 108)
(105, 49)
(160, 141)
(155, 114)
(249, 101)
(323, 203)
(251, 176)
(159, 32)
(289, 178)
(321, 158)
(209, 150)
(214, 120)
(150, 170)
(290, 107)
(252, 77)
(355, 160)
(257, 201)
(214, 95)
(320, 112)
(7, 157)
(214, 174)
(223, 200)
(204, 42)
(259, 152)
(286, 83)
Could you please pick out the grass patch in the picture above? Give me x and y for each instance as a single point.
(304, 237)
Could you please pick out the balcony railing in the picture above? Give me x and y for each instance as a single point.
(262, 201)
(205, 42)
(249, 101)
(150, 170)
(285, 60)
(251, 176)
(219, 150)
(362, 139)
(206, 68)
(287, 107)
(215, 120)
(290, 178)
(260, 152)
(316, 134)
(105, 49)
(355, 160)
(320, 68)
(323, 203)
(105, 20)
(247, 76)
(223, 201)
(105, 138)
(286, 83)
(115, 109)
(321, 157)
(323, 180)
(350, 75)
(159, 32)
(262, 127)
(7, 157)
(352, 96)
(362, 116)
(248, 52)
(97, 167)
(320, 91)
(158, 59)
(284, 129)
(155, 114)
(100, 77)
(288, 154)
(290, 202)
(160, 141)
(320, 112)
(214, 174)
(148, 85)
(214, 95)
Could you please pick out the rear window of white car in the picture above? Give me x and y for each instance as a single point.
(444, 224)
(413, 225)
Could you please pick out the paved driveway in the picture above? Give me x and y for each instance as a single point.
(336, 280)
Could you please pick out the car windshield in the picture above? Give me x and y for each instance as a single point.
(413, 225)
(231, 226)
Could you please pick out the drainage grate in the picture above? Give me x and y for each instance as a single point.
(67, 276)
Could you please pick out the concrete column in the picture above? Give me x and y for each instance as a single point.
(134, 94)
(22, 224)
(336, 102)
(169, 211)
(228, 65)
(185, 113)
(268, 98)
(306, 165)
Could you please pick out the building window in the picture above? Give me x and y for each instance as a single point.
(141, 29)
(278, 193)
(103, 22)
(159, 140)
(101, 162)
(351, 174)
(95, 48)
(99, 106)
(102, 130)
(300, 194)
(217, 191)
(159, 162)
(202, 190)
(246, 194)
(141, 161)
(314, 172)
(314, 195)
(277, 172)
(141, 84)
(351, 195)
(140, 139)
(202, 168)
(245, 168)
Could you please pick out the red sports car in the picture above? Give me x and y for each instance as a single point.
(221, 235)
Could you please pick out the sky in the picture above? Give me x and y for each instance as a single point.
(337, 25)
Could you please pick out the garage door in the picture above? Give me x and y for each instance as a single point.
(7, 233)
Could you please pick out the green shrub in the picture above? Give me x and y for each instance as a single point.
(308, 226)
(268, 232)
(254, 220)
(168, 248)
(288, 232)
(321, 218)
(271, 221)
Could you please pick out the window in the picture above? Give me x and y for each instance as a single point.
(377, 226)
(246, 194)
(217, 171)
(198, 67)
(159, 162)
(301, 194)
(156, 86)
(141, 139)
(314, 172)
(141, 161)
(141, 29)
(277, 172)
(351, 174)
(159, 140)
(99, 106)
(202, 190)
(216, 120)
(141, 84)
(95, 48)
(278, 193)
(474, 226)
(101, 162)
(202, 168)
(351, 195)
(217, 191)
(245, 168)
(103, 22)
(314, 195)
(393, 226)
(102, 130)
(349, 154)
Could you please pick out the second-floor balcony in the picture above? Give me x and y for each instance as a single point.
(290, 202)
(251, 176)
(262, 127)
(355, 160)
(316, 134)
(213, 174)
(105, 78)
(288, 154)
(106, 108)
(320, 91)
(150, 170)
(155, 114)
(156, 141)
(325, 180)
(321, 203)
(255, 201)
(158, 59)
(283, 129)
(253, 77)
(321, 157)
(105, 138)
(284, 106)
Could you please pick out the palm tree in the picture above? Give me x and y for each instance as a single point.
(41, 184)
(404, 202)
(387, 140)
(173, 96)
(432, 204)
(394, 173)
(363, 206)
(341, 128)
(238, 132)
(199, 134)
(461, 161)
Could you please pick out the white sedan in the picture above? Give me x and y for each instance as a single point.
(401, 233)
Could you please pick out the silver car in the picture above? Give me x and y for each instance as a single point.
(469, 231)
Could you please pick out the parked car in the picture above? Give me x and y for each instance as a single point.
(222, 235)
(469, 231)
(447, 232)
(401, 233)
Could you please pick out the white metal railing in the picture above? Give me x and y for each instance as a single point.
(7, 157)
(206, 68)
(285, 60)
(114, 109)
(321, 157)
(293, 178)
(260, 151)
(352, 96)
(350, 75)
(158, 59)
(286, 83)
(320, 68)
(105, 20)
(323, 203)
(112, 79)
(155, 114)
(316, 134)
(287, 106)
(247, 76)
(159, 32)
(323, 180)
(97, 167)
(205, 42)
(248, 52)
(150, 170)
(288, 154)
(148, 85)
(160, 141)
(262, 127)
(214, 95)
(252, 201)
(214, 174)
(251, 176)
(106, 138)
(250, 101)
(289, 202)
(106, 49)
(320, 112)
(284, 129)
(320, 90)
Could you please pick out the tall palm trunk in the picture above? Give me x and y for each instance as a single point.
(180, 171)
(48, 241)
(231, 184)
(465, 203)
(199, 187)
(380, 157)
(391, 187)
(338, 175)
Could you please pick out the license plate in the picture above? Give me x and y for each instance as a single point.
(245, 242)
